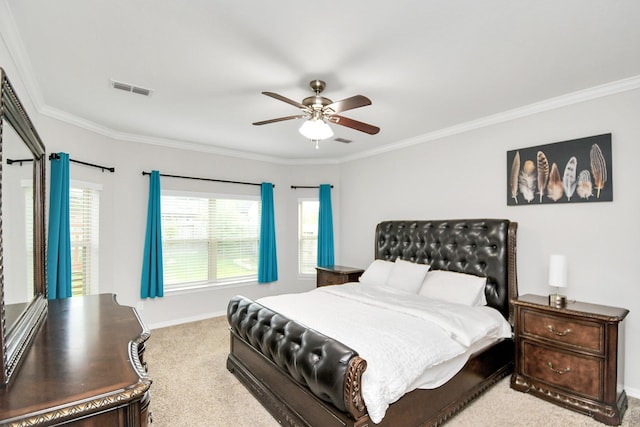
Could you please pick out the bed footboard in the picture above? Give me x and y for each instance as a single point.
(327, 368)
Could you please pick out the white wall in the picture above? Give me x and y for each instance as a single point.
(124, 205)
(459, 176)
(464, 176)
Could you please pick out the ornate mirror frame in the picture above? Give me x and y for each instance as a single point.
(17, 332)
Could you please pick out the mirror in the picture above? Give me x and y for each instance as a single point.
(17, 224)
(22, 248)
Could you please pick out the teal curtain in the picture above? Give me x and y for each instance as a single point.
(59, 238)
(152, 276)
(325, 228)
(267, 257)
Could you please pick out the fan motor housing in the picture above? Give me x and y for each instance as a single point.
(317, 100)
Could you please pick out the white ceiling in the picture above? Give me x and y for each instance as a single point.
(429, 67)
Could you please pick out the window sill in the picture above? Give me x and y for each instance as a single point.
(205, 287)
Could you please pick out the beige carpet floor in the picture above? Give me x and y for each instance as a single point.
(192, 388)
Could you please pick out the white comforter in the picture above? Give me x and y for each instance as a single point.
(400, 335)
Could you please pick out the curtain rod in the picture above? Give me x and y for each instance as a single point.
(307, 186)
(205, 179)
(21, 161)
(55, 156)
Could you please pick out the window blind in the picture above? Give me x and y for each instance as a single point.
(209, 240)
(29, 216)
(307, 236)
(84, 222)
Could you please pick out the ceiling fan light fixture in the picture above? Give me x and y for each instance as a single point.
(318, 110)
(316, 130)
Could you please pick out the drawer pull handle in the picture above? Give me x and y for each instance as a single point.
(558, 333)
(557, 371)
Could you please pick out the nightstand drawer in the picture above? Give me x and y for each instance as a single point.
(575, 373)
(581, 334)
(570, 355)
(337, 275)
(327, 279)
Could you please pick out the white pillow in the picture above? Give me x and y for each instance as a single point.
(459, 288)
(377, 273)
(407, 276)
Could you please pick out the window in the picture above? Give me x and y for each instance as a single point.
(209, 240)
(28, 209)
(84, 203)
(308, 236)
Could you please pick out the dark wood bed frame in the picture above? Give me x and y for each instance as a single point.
(484, 247)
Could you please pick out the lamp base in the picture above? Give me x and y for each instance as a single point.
(557, 300)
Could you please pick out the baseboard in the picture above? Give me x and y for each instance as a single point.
(180, 321)
(632, 392)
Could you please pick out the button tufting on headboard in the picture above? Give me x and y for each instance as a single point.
(475, 246)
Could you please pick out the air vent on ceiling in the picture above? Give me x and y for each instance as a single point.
(346, 141)
(130, 88)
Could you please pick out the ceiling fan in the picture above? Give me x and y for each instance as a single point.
(318, 110)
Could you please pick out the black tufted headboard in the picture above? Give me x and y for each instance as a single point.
(483, 247)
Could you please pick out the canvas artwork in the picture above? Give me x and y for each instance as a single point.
(575, 171)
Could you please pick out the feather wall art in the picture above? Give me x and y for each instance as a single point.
(513, 179)
(554, 187)
(543, 173)
(598, 168)
(585, 189)
(569, 178)
(573, 171)
(527, 181)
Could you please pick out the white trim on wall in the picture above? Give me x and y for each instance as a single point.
(607, 89)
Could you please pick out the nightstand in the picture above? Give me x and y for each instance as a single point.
(337, 275)
(572, 356)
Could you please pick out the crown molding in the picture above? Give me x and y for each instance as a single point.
(15, 46)
(74, 120)
(17, 51)
(607, 89)
(90, 126)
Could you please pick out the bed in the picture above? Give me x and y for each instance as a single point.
(307, 378)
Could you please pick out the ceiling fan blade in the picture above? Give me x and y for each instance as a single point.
(356, 101)
(285, 99)
(279, 119)
(354, 124)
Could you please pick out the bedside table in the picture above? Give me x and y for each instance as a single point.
(572, 356)
(337, 275)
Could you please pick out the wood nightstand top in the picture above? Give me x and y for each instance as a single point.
(340, 269)
(604, 312)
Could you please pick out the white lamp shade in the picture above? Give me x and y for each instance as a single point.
(316, 130)
(558, 271)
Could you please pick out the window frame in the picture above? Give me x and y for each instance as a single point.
(208, 284)
(299, 237)
(94, 244)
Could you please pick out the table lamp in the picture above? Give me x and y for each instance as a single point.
(557, 279)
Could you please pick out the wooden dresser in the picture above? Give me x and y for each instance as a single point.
(572, 356)
(85, 368)
(337, 275)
